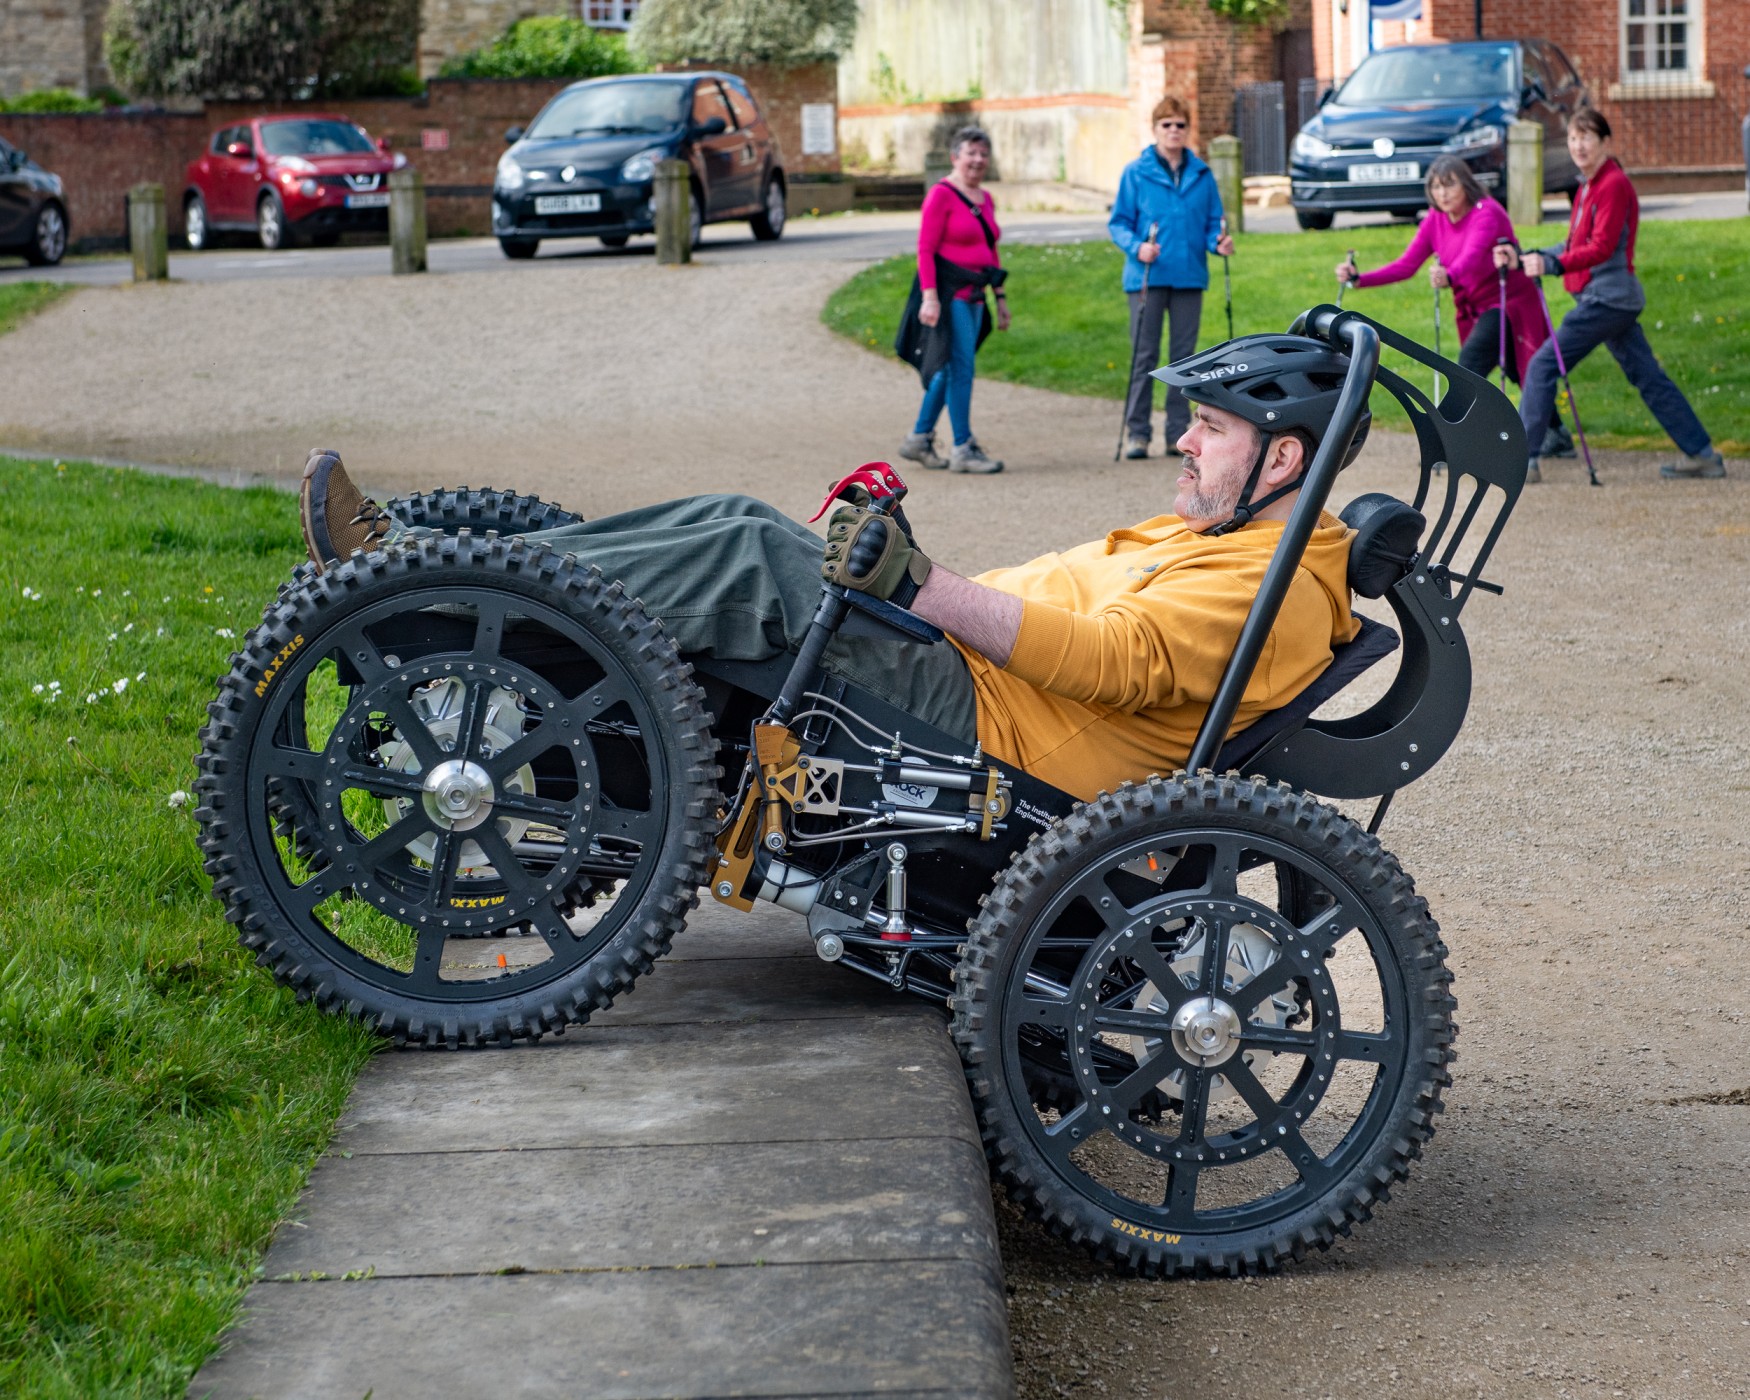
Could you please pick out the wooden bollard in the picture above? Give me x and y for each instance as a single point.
(674, 212)
(148, 236)
(1227, 164)
(1525, 172)
(406, 221)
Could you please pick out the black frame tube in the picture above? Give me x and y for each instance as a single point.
(1363, 348)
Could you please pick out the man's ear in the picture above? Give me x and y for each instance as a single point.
(1286, 461)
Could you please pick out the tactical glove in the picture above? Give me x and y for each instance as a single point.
(870, 553)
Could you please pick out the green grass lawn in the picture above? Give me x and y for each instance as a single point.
(21, 299)
(1071, 332)
(161, 1101)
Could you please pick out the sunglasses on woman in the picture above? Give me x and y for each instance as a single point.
(1173, 126)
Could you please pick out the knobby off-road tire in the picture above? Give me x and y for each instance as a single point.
(1217, 936)
(573, 717)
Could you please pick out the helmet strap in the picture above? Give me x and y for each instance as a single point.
(1247, 507)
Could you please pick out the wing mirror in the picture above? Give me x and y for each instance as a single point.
(383, 145)
(1532, 92)
(512, 134)
(242, 150)
(1327, 95)
(711, 126)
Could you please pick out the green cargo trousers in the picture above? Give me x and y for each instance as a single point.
(730, 577)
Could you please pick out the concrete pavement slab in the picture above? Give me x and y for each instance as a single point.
(785, 1330)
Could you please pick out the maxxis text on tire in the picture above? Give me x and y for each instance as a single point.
(1222, 929)
(582, 667)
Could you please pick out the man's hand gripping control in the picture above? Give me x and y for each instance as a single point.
(868, 551)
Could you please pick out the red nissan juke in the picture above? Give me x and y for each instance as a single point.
(287, 179)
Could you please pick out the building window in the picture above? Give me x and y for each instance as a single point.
(1661, 40)
(609, 14)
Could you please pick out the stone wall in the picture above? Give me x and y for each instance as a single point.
(51, 44)
(454, 134)
(450, 28)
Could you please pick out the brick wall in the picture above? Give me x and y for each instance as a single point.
(102, 155)
(781, 93)
(1216, 53)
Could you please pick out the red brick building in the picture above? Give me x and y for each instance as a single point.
(1669, 74)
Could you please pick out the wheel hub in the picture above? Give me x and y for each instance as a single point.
(1206, 1031)
(458, 795)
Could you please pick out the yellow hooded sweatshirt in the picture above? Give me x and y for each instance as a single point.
(1123, 642)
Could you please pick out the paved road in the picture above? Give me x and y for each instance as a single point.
(851, 238)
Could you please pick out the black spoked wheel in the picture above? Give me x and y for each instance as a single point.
(479, 509)
(473, 737)
(1206, 1023)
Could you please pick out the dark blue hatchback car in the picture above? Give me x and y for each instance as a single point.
(586, 166)
(1370, 146)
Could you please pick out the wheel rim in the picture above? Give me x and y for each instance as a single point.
(195, 221)
(775, 208)
(268, 224)
(400, 813)
(51, 234)
(1209, 1085)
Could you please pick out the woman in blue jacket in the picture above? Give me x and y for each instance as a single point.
(1170, 192)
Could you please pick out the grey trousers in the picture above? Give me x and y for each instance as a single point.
(1182, 307)
(730, 577)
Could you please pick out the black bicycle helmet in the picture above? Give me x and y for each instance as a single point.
(1278, 384)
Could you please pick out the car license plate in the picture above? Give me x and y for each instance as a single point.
(367, 201)
(1400, 173)
(567, 203)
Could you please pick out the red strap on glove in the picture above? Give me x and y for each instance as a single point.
(878, 479)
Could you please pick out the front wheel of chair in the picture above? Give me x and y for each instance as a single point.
(476, 737)
(1241, 1013)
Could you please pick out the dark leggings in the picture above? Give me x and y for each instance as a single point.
(1481, 353)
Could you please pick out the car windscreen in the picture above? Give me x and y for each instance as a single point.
(1432, 75)
(613, 109)
(314, 138)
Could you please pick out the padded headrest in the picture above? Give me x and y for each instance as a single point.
(1387, 532)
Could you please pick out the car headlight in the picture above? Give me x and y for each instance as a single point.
(307, 188)
(510, 174)
(642, 166)
(1478, 138)
(1309, 147)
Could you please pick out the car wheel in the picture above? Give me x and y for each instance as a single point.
(270, 223)
(696, 218)
(768, 225)
(519, 248)
(616, 240)
(48, 241)
(194, 223)
(1313, 218)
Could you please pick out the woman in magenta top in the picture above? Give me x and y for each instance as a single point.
(1460, 230)
(957, 245)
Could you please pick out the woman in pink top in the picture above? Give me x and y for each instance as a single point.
(1461, 229)
(957, 251)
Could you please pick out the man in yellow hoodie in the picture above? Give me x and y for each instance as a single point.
(1084, 667)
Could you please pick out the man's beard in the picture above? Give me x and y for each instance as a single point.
(1203, 502)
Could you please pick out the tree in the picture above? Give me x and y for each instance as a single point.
(781, 32)
(266, 50)
(547, 46)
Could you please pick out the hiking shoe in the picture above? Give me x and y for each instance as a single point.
(337, 518)
(1557, 442)
(1137, 451)
(969, 457)
(1533, 473)
(1709, 465)
(921, 448)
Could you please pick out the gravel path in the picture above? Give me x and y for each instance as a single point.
(1581, 1225)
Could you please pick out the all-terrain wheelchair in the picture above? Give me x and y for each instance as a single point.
(1206, 1019)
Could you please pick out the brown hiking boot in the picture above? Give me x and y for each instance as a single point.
(337, 518)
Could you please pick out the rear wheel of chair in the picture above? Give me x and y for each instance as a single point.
(1240, 1011)
(447, 739)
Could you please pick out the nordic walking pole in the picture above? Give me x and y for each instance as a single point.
(1568, 384)
(1135, 350)
(1436, 286)
(1345, 287)
(1227, 283)
(1501, 346)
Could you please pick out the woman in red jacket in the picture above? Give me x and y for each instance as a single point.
(1597, 264)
